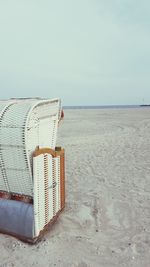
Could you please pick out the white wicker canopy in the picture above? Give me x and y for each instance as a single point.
(24, 125)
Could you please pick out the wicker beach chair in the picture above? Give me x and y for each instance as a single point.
(32, 180)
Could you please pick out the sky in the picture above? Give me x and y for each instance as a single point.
(86, 52)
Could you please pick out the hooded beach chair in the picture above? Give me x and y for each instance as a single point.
(32, 177)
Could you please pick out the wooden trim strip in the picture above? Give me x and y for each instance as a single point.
(45, 150)
(59, 153)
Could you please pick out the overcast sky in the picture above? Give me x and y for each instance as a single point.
(87, 52)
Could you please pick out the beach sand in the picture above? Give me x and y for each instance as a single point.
(106, 222)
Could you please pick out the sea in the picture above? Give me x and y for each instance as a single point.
(106, 107)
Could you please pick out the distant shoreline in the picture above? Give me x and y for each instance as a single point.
(105, 107)
(145, 105)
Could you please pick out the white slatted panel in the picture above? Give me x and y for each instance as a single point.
(41, 203)
(54, 186)
(46, 207)
(56, 172)
(39, 193)
(58, 181)
(50, 186)
(36, 178)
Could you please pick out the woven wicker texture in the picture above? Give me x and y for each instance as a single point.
(24, 125)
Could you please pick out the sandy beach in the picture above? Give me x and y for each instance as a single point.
(106, 222)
